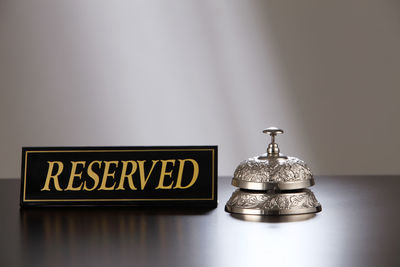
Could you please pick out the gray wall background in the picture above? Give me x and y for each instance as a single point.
(204, 72)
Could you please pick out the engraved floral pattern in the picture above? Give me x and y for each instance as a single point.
(273, 170)
(299, 200)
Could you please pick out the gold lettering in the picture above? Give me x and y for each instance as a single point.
(143, 180)
(92, 175)
(108, 174)
(54, 177)
(127, 176)
(73, 175)
(180, 173)
(165, 173)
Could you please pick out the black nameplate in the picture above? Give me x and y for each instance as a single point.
(143, 176)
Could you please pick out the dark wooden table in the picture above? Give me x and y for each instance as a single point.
(358, 226)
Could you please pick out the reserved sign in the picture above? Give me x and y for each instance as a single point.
(155, 176)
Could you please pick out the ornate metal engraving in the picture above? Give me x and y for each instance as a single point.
(273, 170)
(273, 184)
(280, 201)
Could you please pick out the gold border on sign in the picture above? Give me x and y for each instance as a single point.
(123, 199)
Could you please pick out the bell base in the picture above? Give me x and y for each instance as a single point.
(272, 203)
(272, 212)
(271, 186)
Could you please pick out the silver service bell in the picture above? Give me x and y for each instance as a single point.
(273, 184)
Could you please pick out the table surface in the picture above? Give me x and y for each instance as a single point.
(358, 226)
